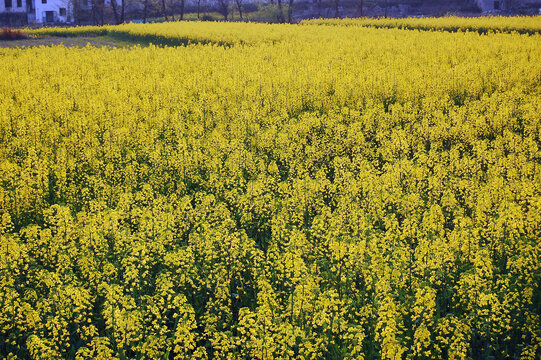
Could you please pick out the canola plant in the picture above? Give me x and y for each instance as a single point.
(485, 24)
(301, 192)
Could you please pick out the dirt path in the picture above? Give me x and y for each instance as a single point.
(66, 41)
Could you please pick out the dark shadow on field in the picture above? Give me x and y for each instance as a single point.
(75, 41)
(160, 40)
(483, 30)
(108, 38)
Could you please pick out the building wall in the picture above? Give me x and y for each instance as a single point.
(503, 5)
(488, 5)
(14, 6)
(14, 15)
(44, 6)
(35, 11)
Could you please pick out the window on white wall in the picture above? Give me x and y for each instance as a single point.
(19, 3)
(44, 1)
(7, 3)
(62, 11)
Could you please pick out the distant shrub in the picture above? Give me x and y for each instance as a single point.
(11, 34)
(207, 17)
(270, 13)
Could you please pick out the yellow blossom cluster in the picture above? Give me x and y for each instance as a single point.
(188, 32)
(485, 24)
(305, 192)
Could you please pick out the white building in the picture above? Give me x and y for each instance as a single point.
(13, 11)
(51, 11)
(18, 12)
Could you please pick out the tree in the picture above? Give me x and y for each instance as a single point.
(510, 4)
(319, 4)
(119, 13)
(145, 10)
(239, 7)
(182, 3)
(280, 12)
(115, 11)
(290, 12)
(164, 10)
(75, 6)
(224, 8)
(98, 10)
(172, 7)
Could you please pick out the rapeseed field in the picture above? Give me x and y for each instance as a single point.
(273, 192)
